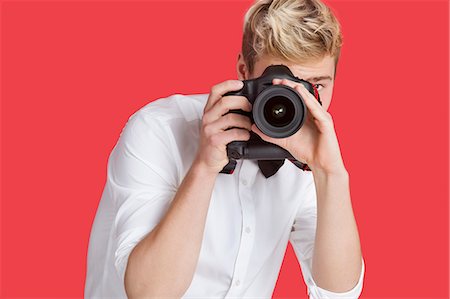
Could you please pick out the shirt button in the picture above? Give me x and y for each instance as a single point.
(248, 230)
(244, 182)
(237, 283)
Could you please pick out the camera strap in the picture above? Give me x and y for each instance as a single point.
(270, 167)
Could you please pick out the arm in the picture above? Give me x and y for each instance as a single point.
(164, 262)
(303, 240)
(337, 259)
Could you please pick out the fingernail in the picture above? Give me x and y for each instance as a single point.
(239, 83)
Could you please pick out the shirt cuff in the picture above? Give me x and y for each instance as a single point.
(315, 292)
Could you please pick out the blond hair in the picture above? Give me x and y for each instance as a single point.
(298, 31)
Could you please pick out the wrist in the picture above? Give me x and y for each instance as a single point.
(337, 172)
(332, 186)
(201, 169)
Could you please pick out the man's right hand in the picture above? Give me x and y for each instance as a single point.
(214, 136)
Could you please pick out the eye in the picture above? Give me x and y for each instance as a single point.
(317, 86)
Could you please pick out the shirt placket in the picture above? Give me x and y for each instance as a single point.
(246, 177)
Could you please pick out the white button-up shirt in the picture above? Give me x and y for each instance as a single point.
(250, 219)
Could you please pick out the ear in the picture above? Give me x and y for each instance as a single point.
(241, 68)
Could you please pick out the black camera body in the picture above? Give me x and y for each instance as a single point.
(278, 111)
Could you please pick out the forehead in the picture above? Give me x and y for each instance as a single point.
(307, 71)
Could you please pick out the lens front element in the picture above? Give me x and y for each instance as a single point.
(279, 111)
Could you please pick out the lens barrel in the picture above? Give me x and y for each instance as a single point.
(279, 111)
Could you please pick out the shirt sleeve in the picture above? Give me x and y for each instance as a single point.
(142, 179)
(302, 238)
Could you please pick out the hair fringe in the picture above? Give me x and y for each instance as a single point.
(295, 30)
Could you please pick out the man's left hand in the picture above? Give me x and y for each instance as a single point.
(316, 142)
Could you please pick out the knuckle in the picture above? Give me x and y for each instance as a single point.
(229, 82)
(243, 102)
(289, 83)
(207, 130)
(214, 90)
(210, 139)
(214, 140)
(219, 102)
(224, 104)
(245, 121)
(205, 120)
(238, 133)
(231, 134)
(245, 134)
(230, 117)
(242, 121)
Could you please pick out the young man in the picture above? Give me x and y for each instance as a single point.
(170, 225)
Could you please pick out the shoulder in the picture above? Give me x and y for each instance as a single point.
(166, 127)
(176, 116)
(177, 107)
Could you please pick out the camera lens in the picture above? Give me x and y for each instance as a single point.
(279, 111)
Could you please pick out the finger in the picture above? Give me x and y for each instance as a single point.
(218, 90)
(276, 81)
(312, 104)
(231, 120)
(285, 82)
(225, 137)
(227, 103)
(290, 84)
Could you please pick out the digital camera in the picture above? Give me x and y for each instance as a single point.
(278, 111)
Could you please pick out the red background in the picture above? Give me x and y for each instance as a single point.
(73, 72)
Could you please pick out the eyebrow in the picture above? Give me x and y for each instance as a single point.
(319, 78)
